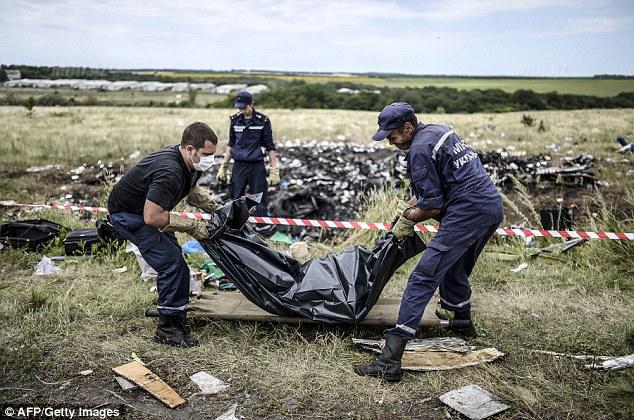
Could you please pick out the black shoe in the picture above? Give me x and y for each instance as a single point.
(172, 331)
(388, 365)
(465, 331)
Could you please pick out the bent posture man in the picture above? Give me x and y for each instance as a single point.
(139, 207)
(249, 132)
(450, 185)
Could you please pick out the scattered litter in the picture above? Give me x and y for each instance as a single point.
(626, 146)
(124, 383)
(134, 154)
(195, 282)
(520, 267)
(149, 381)
(86, 372)
(135, 357)
(434, 354)
(607, 362)
(43, 168)
(613, 364)
(192, 247)
(120, 270)
(282, 238)
(46, 267)
(153, 288)
(212, 270)
(536, 314)
(147, 272)
(474, 402)
(226, 285)
(299, 250)
(207, 383)
(230, 414)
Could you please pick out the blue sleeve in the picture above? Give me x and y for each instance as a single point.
(267, 136)
(427, 182)
(232, 135)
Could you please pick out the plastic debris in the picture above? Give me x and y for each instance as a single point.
(474, 402)
(230, 414)
(207, 383)
(147, 272)
(86, 372)
(282, 238)
(626, 146)
(607, 362)
(46, 267)
(520, 267)
(192, 247)
(615, 363)
(299, 250)
(120, 270)
(195, 282)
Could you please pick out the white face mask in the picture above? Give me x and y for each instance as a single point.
(205, 163)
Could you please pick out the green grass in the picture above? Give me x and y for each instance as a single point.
(576, 86)
(91, 318)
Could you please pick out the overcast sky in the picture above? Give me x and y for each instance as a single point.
(466, 37)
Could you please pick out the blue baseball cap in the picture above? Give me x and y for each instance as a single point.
(392, 117)
(243, 98)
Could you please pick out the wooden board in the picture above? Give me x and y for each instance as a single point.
(148, 380)
(234, 306)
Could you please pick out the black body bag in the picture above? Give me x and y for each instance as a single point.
(337, 288)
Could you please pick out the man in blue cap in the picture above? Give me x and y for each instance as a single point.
(249, 132)
(449, 184)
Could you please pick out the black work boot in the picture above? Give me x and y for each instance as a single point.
(171, 330)
(388, 365)
(465, 331)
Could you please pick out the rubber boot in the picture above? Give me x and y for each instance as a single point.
(171, 330)
(465, 332)
(388, 365)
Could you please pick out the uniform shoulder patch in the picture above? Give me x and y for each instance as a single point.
(261, 116)
(234, 116)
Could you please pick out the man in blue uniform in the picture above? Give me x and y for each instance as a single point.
(139, 207)
(450, 185)
(249, 132)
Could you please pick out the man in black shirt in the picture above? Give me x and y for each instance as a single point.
(139, 207)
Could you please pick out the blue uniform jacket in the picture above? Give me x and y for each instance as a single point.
(453, 179)
(247, 137)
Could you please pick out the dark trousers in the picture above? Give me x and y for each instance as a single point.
(446, 264)
(163, 253)
(253, 175)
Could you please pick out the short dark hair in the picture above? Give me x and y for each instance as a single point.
(197, 134)
(410, 119)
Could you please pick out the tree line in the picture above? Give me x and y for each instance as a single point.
(299, 94)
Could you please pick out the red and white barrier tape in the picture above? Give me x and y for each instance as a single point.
(335, 224)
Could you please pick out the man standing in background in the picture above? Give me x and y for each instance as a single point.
(249, 132)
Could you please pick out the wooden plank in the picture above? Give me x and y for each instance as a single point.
(148, 380)
(234, 307)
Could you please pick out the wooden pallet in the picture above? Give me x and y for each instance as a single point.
(235, 307)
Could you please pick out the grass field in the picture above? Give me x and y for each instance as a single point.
(576, 86)
(90, 318)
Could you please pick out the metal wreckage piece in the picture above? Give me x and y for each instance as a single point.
(328, 180)
(337, 288)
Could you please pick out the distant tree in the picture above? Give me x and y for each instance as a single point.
(527, 120)
(29, 104)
